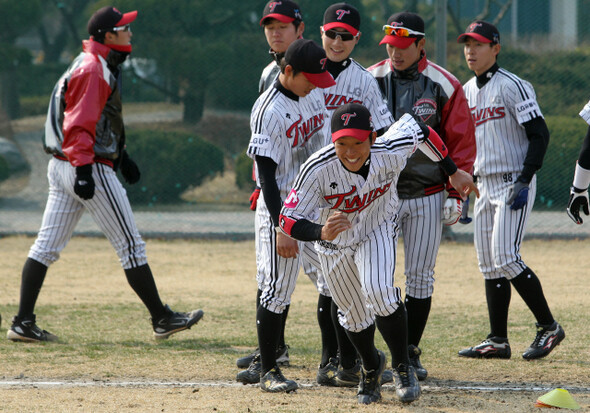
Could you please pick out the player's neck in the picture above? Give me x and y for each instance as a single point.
(486, 75)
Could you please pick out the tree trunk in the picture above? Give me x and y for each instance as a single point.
(9, 93)
(194, 105)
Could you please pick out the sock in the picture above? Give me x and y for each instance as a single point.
(258, 294)
(268, 325)
(327, 330)
(347, 354)
(418, 310)
(32, 279)
(283, 325)
(394, 329)
(364, 342)
(498, 293)
(142, 281)
(527, 284)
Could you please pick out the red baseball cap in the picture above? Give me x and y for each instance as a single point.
(413, 24)
(307, 57)
(481, 31)
(107, 18)
(285, 11)
(351, 119)
(342, 15)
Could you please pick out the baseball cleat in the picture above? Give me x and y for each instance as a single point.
(415, 353)
(370, 384)
(174, 322)
(407, 386)
(244, 362)
(548, 337)
(24, 329)
(274, 382)
(326, 375)
(252, 374)
(352, 376)
(491, 347)
(282, 357)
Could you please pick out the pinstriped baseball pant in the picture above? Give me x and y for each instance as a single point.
(109, 208)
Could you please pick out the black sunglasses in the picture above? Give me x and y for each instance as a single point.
(333, 34)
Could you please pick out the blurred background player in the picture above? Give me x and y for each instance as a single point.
(85, 134)
(412, 84)
(287, 124)
(579, 190)
(512, 139)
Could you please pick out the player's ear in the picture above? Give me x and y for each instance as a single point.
(300, 29)
(373, 137)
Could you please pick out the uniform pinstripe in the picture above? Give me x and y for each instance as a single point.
(356, 85)
(288, 132)
(359, 263)
(499, 109)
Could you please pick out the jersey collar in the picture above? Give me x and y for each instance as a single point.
(285, 92)
(485, 77)
(335, 68)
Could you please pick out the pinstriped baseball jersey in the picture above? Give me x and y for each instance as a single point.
(585, 113)
(499, 109)
(324, 185)
(287, 131)
(356, 84)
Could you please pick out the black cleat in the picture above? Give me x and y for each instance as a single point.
(491, 347)
(407, 386)
(327, 375)
(252, 374)
(415, 353)
(174, 322)
(274, 382)
(244, 362)
(282, 357)
(24, 329)
(548, 337)
(370, 384)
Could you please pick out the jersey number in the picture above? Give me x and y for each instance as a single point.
(507, 177)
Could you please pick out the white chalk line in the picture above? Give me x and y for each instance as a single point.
(18, 384)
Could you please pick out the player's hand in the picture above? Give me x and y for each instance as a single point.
(254, 198)
(578, 199)
(452, 211)
(338, 222)
(518, 195)
(84, 183)
(287, 247)
(463, 183)
(129, 169)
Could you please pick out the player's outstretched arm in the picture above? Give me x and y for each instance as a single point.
(579, 194)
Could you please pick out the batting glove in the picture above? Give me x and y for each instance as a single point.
(452, 211)
(518, 195)
(254, 198)
(129, 169)
(578, 199)
(84, 184)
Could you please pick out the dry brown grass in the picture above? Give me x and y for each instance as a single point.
(106, 337)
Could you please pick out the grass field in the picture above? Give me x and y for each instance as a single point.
(108, 361)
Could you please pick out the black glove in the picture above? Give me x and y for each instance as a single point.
(518, 195)
(129, 169)
(84, 185)
(578, 200)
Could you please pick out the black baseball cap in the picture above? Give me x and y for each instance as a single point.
(285, 11)
(108, 17)
(403, 20)
(351, 119)
(481, 31)
(307, 57)
(342, 15)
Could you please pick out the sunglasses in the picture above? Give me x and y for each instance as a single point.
(125, 28)
(400, 31)
(333, 34)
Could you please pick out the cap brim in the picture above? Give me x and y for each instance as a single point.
(280, 17)
(462, 38)
(127, 18)
(321, 80)
(397, 41)
(348, 27)
(359, 134)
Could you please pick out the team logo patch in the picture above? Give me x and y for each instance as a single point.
(341, 13)
(292, 199)
(474, 26)
(273, 5)
(424, 109)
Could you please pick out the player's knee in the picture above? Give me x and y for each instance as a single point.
(44, 257)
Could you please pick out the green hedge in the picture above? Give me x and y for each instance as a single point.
(244, 172)
(170, 162)
(4, 169)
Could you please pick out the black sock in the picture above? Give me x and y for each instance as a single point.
(268, 325)
(283, 325)
(347, 354)
(258, 294)
(142, 281)
(498, 293)
(327, 330)
(32, 279)
(394, 329)
(527, 284)
(418, 310)
(364, 342)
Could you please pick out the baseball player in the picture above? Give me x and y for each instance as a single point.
(282, 23)
(344, 199)
(512, 138)
(340, 33)
(85, 134)
(413, 84)
(288, 125)
(579, 190)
